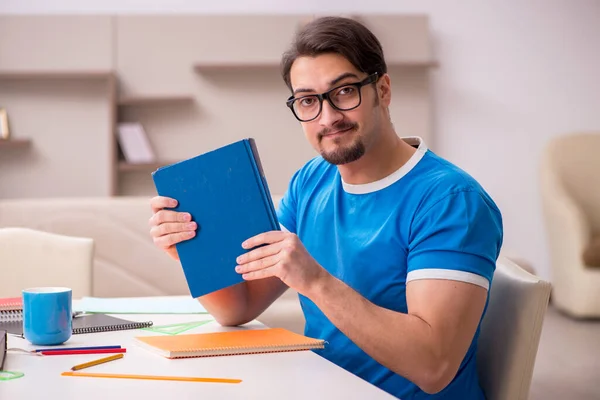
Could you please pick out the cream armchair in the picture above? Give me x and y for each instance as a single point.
(126, 262)
(32, 258)
(570, 189)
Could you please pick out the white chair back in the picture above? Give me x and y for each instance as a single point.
(510, 332)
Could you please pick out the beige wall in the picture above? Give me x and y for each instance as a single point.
(512, 75)
(69, 125)
(226, 65)
(67, 118)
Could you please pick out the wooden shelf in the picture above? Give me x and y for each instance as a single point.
(233, 65)
(124, 166)
(20, 75)
(12, 143)
(412, 64)
(154, 100)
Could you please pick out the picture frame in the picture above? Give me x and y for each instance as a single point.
(4, 131)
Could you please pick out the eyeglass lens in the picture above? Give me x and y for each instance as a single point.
(344, 98)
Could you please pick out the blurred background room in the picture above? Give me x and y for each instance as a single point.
(95, 95)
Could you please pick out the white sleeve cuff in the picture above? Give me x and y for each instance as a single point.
(450, 274)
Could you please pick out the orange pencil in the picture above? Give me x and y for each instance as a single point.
(153, 377)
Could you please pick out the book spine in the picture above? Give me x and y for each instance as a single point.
(262, 182)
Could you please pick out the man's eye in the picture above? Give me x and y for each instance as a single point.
(346, 90)
(307, 102)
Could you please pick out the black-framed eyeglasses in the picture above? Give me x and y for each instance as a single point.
(345, 97)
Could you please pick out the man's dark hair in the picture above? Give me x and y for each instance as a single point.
(344, 36)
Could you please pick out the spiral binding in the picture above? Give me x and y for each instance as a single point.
(238, 350)
(108, 328)
(11, 316)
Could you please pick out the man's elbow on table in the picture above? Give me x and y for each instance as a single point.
(229, 320)
(436, 378)
(227, 314)
(230, 317)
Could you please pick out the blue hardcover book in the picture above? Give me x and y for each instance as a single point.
(226, 193)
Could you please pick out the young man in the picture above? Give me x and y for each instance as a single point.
(391, 248)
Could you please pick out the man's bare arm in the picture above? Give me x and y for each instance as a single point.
(427, 344)
(243, 302)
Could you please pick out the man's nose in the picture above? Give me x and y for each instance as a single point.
(329, 115)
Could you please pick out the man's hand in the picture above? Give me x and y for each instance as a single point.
(284, 257)
(169, 227)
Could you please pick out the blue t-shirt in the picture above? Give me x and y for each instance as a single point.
(429, 219)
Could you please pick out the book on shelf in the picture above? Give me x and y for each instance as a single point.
(134, 143)
(4, 131)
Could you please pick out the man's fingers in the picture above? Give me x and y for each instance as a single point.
(157, 203)
(262, 263)
(260, 274)
(264, 238)
(173, 238)
(172, 227)
(164, 216)
(259, 253)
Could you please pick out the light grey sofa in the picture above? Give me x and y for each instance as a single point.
(126, 262)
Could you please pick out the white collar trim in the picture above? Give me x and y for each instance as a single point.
(395, 176)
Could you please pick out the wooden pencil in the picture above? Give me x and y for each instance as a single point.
(96, 362)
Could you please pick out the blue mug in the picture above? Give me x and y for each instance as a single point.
(47, 315)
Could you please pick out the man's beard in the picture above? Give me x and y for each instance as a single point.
(347, 154)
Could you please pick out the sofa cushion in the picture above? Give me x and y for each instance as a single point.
(126, 261)
(591, 254)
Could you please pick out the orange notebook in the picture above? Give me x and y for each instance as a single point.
(228, 343)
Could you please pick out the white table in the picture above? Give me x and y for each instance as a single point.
(294, 375)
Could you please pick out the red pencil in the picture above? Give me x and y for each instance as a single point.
(69, 352)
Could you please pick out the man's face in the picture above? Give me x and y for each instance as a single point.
(339, 136)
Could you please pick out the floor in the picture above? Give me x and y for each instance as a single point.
(568, 361)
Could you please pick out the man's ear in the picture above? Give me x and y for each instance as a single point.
(384, 90)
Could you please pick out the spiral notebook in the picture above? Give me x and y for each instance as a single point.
(268, 340)
(10, 304)
(11, 309)
(11, 315)
(83, 324)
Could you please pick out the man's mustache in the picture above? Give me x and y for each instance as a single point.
(342, 126)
